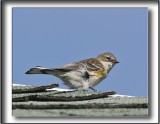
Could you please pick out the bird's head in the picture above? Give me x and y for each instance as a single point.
(108, 59)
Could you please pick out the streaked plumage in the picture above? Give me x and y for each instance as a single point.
(83, 74)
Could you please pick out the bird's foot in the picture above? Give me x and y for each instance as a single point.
(93, 89)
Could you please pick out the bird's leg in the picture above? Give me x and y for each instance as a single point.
(93, 89)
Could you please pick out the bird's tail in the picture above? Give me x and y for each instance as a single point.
(37, 70)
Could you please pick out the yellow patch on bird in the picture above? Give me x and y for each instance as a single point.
(100, 73)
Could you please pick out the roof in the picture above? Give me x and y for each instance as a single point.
(35, 101)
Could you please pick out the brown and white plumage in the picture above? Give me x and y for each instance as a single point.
(83, 74)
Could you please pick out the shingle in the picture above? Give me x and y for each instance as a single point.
(78, 103)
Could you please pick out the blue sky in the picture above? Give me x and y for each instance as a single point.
(53, 37)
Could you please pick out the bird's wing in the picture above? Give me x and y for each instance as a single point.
(89, 65)
(67, 68)
(92, 64)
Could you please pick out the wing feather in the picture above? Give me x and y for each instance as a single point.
(92, 64)
(85, 65)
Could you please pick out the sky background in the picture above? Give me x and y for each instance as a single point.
(53, 37)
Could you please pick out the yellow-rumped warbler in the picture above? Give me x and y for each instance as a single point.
(83, 74)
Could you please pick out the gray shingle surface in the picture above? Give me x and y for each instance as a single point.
(78, 103)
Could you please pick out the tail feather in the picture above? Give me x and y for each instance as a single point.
(37, 70)
(42, 70)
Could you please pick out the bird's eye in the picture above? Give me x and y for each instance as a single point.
(108, 58)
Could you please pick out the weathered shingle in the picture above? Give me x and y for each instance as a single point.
(77, 103)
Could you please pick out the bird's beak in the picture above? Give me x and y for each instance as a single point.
(116, 62)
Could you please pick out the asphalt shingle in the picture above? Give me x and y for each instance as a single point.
(77, 103)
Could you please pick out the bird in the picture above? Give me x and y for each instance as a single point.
(81, 75)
